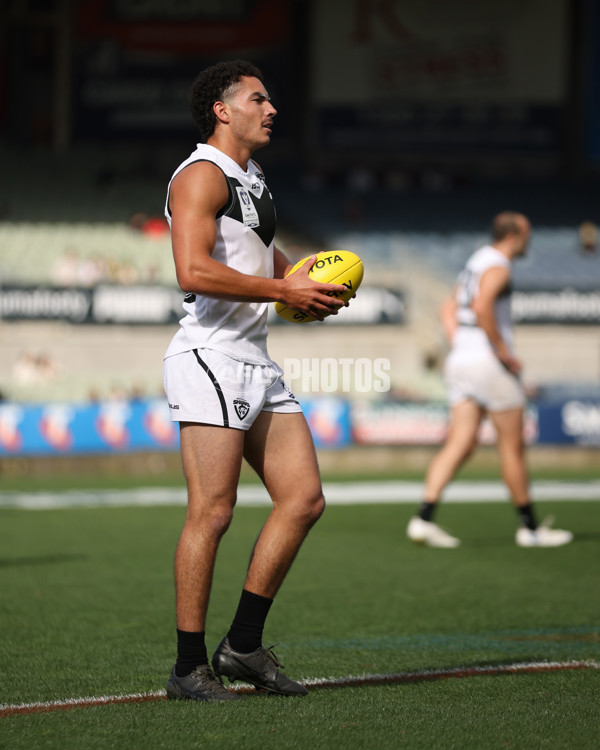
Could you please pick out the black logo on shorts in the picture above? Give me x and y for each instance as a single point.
(241, 407)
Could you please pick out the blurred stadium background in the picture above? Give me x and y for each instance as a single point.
(403, 127)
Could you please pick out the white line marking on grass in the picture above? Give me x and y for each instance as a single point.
(69, 703)
(336, 493)
(316, 682)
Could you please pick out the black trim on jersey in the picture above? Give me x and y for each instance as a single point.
(223, 208)
(218, 389)
(263, 205)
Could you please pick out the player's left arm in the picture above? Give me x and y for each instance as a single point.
(491, 285)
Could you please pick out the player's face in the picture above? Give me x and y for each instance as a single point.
(251, 113)
(525, 236)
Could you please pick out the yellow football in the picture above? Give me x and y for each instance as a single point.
(331, 267)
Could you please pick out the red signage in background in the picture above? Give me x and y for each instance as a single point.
(111, 423)
(191, 29)
(11, 437)
(136, 60)
(406, 423)
(55, 426)
(158, 424)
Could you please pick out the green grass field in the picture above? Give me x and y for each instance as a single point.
(87, 602)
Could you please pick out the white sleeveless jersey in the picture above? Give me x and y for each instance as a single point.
(245, 233)
(470, 340)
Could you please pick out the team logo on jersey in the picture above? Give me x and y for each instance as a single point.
(249, 212)
(241, 407)
(258, 184)
(253, 207)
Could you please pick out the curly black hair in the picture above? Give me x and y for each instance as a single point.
(212, 85)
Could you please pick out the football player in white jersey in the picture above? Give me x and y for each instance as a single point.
(223, 388)
(482, 377)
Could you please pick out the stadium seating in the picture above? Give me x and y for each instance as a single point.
(81, 254)
(76, 220)
(86, 204)
(554, 259)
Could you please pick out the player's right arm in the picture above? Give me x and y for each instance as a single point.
(492, 283)
(196, 195)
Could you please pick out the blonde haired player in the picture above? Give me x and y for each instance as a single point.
(482, 376)
(223, 388)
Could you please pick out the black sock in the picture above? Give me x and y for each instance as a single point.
(245, 634)
(191, 651)
(427, 510)
(527, 515)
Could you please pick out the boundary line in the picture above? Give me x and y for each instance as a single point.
(336, 493)
(398, 678)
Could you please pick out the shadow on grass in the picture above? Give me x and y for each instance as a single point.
(490, 669)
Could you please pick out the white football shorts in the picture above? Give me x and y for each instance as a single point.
(209, 387)
(484, 380)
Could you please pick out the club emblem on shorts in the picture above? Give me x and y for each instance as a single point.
(241, 407)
